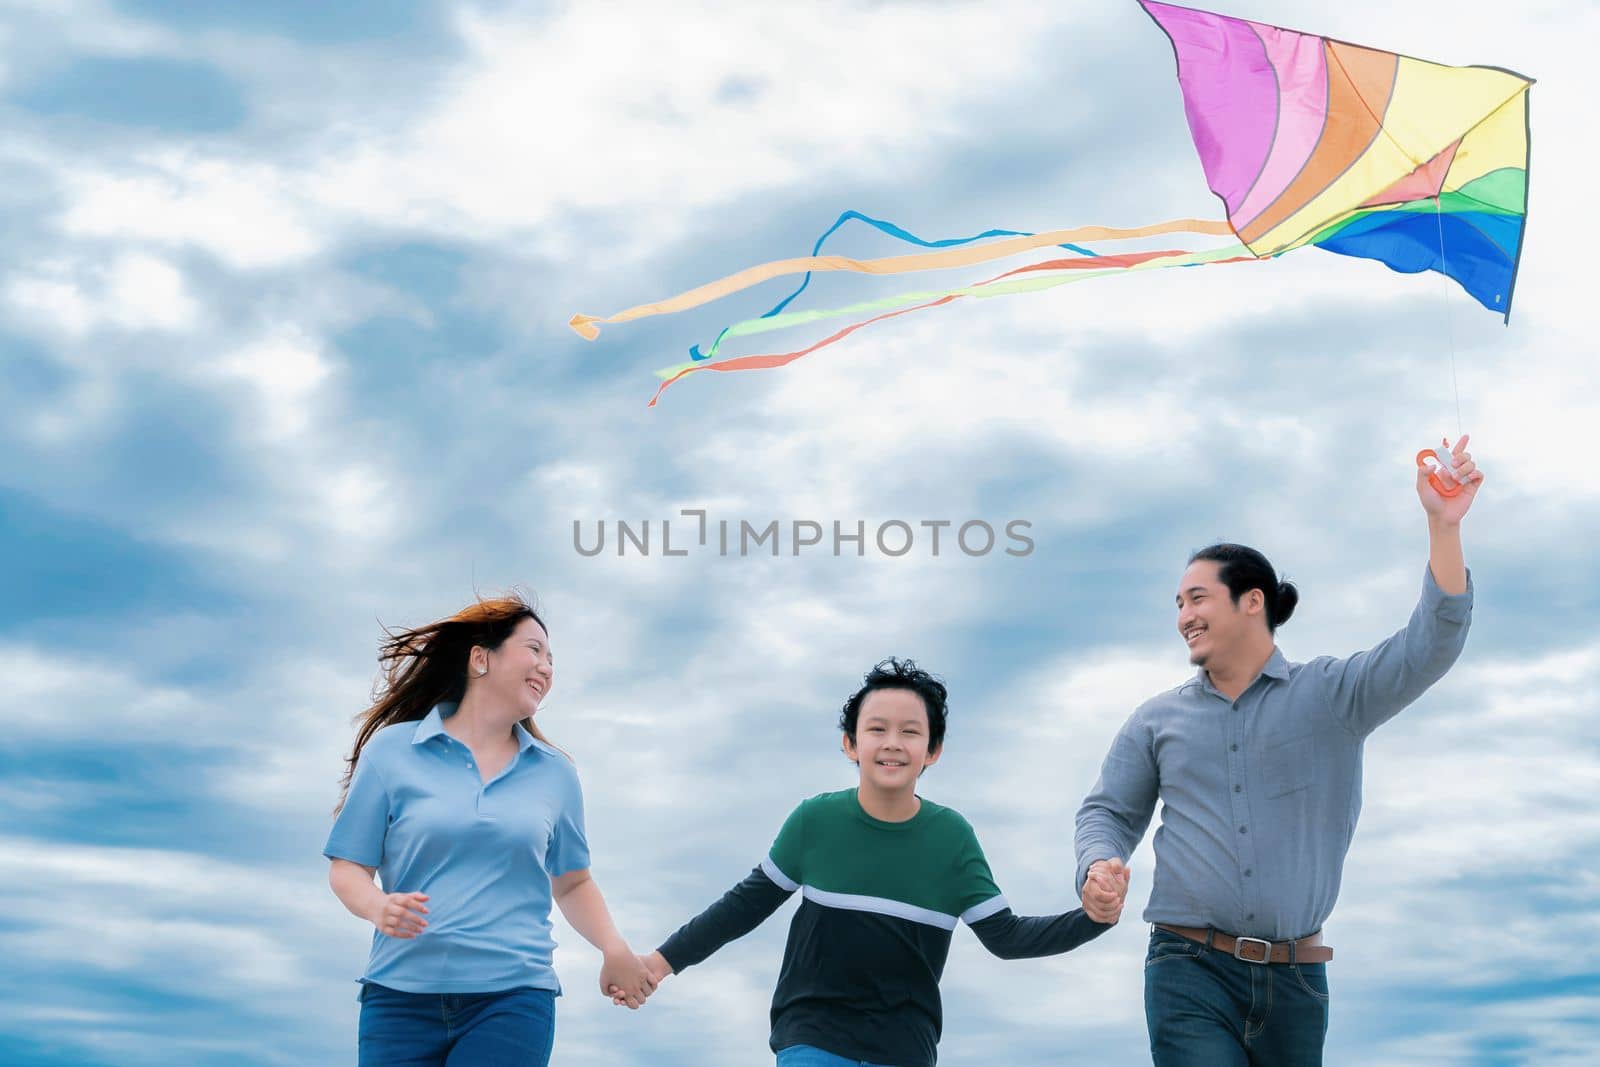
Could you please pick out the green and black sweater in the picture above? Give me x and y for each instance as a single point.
(861, 970)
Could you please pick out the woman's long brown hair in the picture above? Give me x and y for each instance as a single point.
(427, 665)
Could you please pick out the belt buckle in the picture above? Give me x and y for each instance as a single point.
(1266, 949)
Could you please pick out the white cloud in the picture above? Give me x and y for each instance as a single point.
(135, 291)
(241, 212)
(119, 909)
(148, 291)
(635, 114)
(186, 927)
(57, 694)
(639, 112)
(56, 301)
(285, 373)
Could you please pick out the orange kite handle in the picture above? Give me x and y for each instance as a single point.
(1438, 456)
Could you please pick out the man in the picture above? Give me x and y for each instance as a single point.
(1257, 762)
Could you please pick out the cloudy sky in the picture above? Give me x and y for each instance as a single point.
(283, 359)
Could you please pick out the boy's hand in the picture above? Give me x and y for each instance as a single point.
(624, 978)
(1105, 890)
(657, 965)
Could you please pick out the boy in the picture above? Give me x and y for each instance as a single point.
(885, 877)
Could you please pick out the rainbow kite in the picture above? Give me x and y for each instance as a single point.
(1308, 140)
(1305, 139)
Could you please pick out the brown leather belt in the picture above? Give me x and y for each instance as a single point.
(1257, 950)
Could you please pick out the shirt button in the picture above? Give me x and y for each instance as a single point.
(1248, 871)
(1233, 748)
(1252, 915)
(1238, 789)
(1244, 829)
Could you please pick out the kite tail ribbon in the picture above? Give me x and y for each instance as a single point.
(888, 229)
(1063, 271)
(588, 326)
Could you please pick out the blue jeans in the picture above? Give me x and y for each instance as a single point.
(512, 1028)
(809, 1056)
(1202, 1006)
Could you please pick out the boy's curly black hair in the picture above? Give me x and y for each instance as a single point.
(895, 673)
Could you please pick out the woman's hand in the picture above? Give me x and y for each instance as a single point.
(400, 915)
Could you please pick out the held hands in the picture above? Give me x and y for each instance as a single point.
(1105, 890)
(400, 915)
(655, 965)
(1451, 509)
(627, 979)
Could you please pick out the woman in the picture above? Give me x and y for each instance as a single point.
(474, 823)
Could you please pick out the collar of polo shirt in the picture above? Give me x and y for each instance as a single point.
(432, 725)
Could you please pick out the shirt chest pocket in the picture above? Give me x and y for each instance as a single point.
(1287, 765)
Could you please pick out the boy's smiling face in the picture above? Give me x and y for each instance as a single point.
(891, 742)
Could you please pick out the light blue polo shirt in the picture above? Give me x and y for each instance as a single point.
(484, 854)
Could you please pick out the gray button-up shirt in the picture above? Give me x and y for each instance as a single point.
(1260, 795)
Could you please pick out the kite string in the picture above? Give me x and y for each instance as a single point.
(1449, 322)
